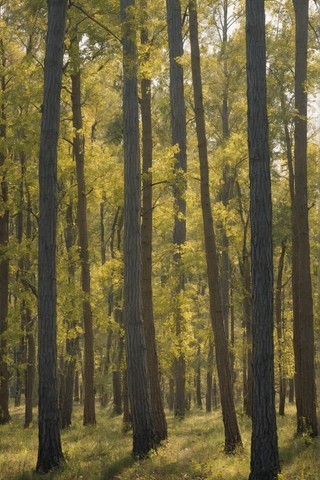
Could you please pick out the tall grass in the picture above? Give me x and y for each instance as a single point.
(194, 451)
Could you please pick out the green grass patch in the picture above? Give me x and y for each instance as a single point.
(194, 451)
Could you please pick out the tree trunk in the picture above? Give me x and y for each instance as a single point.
(89, 416)
(198, 379)
(50, 454)
(158, 415)
(178, 136)
(303, 328)
(4, 263)
(264, 445)
(232, 433)
(72, 340)
(209, 378)
(138, 384)
(278, 308)
(30, 346)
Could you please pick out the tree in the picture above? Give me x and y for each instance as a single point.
(264, 445)
(50, 454)
(232, 433)
(89, 417)
(137, 375)
(303, 319)
(158, 415)
(4, 259)
(178, 135)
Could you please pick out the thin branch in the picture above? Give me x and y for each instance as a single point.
(97, 22)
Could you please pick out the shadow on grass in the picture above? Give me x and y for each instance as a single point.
(117, 467)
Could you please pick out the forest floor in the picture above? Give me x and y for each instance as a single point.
(194, 451)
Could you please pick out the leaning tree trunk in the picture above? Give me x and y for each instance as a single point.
(89, 416)
(178, 134)
(4, 264)
(138, 384)
(158, 415)
(303, 324)
(264, 445)
(232, 433)
(50, 452)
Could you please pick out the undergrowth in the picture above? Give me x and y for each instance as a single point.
(194, 451)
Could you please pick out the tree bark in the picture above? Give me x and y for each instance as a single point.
(232, 433)
(304, 325)
(138, 384)
(264, 445)
(50, 454)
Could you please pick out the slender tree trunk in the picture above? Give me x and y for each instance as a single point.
(72, 340)
(198, 380)
(158, 415)
(138, 384)
(89, 416)
(4, 262)
(178, 135)
(264, 445)
(209, 378)
(278, 308)
(232, 433)
(50, 454)
(304, 328)
(30, 346)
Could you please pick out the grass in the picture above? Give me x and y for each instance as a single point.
(194, 451)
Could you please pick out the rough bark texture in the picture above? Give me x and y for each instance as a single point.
(49, 453)
(303, 323)
(4, 263)
(264, 445)
(232, 433)
(178, 134)
(89, 416)
(158, 415)
(138, 384)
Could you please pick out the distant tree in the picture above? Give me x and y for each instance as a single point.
(264, 444)
(137, 375)
(179, 139)
(50, 454)
(89, 417)
(232, 433)
(4, 259)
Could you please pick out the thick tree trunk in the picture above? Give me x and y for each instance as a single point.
(158, 415)
(4, 263)
(303, 327)
(264, 445)
(232, 433)
(138, 383)
(178, 135)
(49, 453)
(89, 416)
